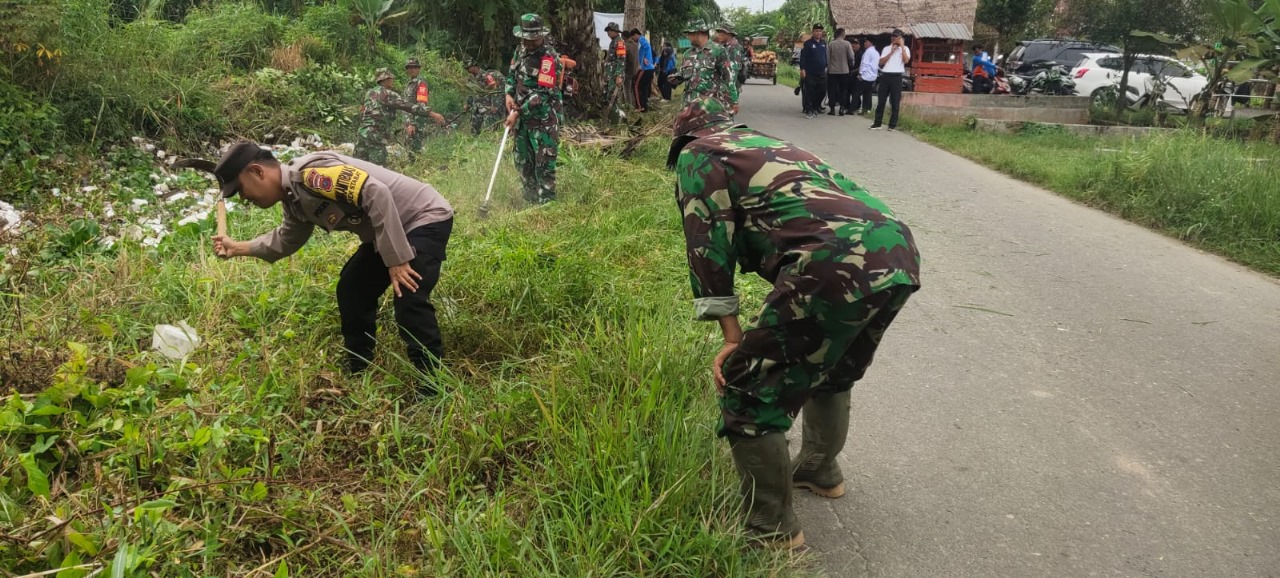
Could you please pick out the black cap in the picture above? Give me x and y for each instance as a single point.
(234, 162)
(897, 32)
(818, 27)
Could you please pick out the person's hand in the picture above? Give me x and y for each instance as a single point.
(511, 103)
(617, 80)
(723, 356)
(226, 248)
(511, 119)
(438, 118)
(801, 73)
(403, 275)
(735, 108)
(410, 130)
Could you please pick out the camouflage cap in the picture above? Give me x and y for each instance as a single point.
(530, 27)
(699, 116)
(698, 25)
(469, 63)
(381, 75)
(412, 63)
(727, 27)
(612, 27)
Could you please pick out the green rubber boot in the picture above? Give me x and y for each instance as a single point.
(826, 423)
(763, 465)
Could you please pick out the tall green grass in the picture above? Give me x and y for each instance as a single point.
(1217, 194)
(574, 437)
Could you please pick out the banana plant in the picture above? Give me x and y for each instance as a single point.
(371, 15)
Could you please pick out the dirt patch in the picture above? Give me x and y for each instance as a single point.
(32, 370)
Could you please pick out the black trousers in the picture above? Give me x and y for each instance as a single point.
(363, 281)
(644, 87)
(815, 89)
(838, 91)
(664, 86)
(891, 93)
(862, 98)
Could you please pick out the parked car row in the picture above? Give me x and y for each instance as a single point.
(1096, 70)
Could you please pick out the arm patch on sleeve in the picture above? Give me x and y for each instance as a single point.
(340, 183)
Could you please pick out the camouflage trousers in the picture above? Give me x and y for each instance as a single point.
(371, 145)
(419, 134)
(537, 146)
(483, 117)
(779, 367)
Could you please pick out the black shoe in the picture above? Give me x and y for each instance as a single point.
(841, 113)
(832, 113)
(876, 127)
(357, 364)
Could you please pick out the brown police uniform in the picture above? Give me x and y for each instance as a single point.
(398, 219)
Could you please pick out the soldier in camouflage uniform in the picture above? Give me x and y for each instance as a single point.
(615, 62)
(706, 69)
(416, 91)
(377, 117)
(487, 104)
(534, 102)
(842, 266)
(737, 53)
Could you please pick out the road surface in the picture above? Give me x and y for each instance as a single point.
(1069, 394)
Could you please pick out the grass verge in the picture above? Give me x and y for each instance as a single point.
(575, 437)
(1220, 195)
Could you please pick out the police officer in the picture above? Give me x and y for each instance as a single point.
(706, 69)
(615, 62)
(842, 266)
(403, 226)
(534, 109)
(486, 104)
(416, 91)
(378, 115)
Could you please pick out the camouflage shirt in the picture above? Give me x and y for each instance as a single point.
(709, 74)
(615, 60)
(739, 60)
(533, 81)
(380, 105)
(753, 201)
(416, 91)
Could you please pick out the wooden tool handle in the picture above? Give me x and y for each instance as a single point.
(222, 217)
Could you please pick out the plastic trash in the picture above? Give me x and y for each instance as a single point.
(175, 341)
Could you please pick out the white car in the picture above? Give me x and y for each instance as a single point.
(1097, 71)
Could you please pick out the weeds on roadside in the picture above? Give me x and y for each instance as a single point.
(574, 436)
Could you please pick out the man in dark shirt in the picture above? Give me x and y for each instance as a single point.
(813, 71)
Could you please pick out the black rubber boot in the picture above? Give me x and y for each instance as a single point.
(764, 467)
(826, 424)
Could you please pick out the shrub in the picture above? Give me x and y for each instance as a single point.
(241, 35)
(26, 126)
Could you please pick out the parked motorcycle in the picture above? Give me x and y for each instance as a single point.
(1044, 77)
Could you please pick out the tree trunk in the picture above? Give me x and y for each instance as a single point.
(575, 36)
(1122, 95)
(633, 15)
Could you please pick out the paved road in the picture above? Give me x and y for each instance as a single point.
(1115, 411)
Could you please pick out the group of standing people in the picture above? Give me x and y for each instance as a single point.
(847, 71)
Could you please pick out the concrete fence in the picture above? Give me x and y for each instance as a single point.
(954, 108)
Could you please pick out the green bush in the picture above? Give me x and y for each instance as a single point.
(241, 35)
(26, 126)
(332, 25)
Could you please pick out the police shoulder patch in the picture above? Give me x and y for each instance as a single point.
(338, 183)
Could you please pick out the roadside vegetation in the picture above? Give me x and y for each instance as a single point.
(1218, 194)
(574, 436)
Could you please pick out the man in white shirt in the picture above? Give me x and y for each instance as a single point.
(868, 71)
(893, 65)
